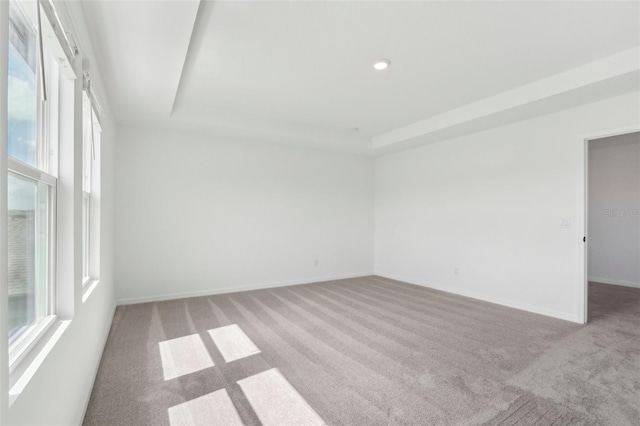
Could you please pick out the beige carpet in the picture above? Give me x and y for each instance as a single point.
(368, 351)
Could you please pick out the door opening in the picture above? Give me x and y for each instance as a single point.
(611, 213)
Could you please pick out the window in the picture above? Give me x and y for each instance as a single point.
(32, 160)
(43, 189)
(29, 241)
(86, 237)
(90, 189)
(22, 89)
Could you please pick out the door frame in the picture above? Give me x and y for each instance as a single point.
(583, 211)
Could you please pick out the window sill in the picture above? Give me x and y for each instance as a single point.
(88, 286)
(27, 341)
(25, 368)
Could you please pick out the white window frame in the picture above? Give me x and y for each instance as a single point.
(30, 336)
(45, 172)
(86, 238)
(90, 193)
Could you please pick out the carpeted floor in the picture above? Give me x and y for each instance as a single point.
(373, 351)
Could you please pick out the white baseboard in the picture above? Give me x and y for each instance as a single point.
(614, 282)
(211, 292)
(498, 301)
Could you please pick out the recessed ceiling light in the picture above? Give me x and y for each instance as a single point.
(382, 64)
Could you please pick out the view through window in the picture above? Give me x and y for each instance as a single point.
(31, 188)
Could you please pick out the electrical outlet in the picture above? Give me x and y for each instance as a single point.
(456, 271)
(315, 262)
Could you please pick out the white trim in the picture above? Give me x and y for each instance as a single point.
(211, 292)
(85, 281)
(614, 282)
(28, 171)
(499, 301)
(582, 291)
(19, 349)
(88, 287)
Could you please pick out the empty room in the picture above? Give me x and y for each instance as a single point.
(300, 213)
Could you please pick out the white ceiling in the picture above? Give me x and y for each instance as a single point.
(301, 72)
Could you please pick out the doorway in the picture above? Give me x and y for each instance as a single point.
(612, 216)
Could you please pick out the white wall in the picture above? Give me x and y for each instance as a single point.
(490, 204)
(59, 391)
(201, 215)
(614, 210)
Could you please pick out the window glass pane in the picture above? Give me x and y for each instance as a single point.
(22, 89)
(87, 144)
(28, 248)
(50, 118)
(85, 234)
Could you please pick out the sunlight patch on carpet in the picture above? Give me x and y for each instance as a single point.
(276, 402)
(233, 343)
(184, 355)
(214, 408)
